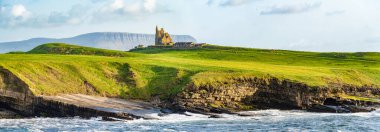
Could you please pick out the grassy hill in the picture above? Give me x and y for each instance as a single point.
(312, 68)
(142, 73)
(61, 48)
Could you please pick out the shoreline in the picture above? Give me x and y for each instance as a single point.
(160, 116)
(113, 109)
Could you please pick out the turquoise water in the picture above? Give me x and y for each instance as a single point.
(266, 120)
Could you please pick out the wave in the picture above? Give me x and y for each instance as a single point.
(264, 120)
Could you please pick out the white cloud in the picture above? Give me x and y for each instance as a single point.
(226, 3)
(290, 9)
(19, 11)
(12, 16)
(132, 9)
(135, 7)
(74, 21)
(117, 4)
(76, 15)
(235, 2)
(149, 5)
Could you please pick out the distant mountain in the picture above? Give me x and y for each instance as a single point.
(105, 40)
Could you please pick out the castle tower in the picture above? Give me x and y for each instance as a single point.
(157, 36)
(162, 37)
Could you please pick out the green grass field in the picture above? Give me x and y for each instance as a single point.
(142, 73)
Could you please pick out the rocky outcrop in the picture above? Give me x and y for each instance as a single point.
(15, 94)
(16, 100)
(257, 93)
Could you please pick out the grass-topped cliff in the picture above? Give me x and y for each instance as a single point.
(67, 49)
(60, 68)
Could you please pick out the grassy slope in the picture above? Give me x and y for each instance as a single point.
(61, 48)
(148, 72)
(312, 68)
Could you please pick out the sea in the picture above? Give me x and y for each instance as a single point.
(259, 121)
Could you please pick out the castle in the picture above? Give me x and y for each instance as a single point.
(163, 38)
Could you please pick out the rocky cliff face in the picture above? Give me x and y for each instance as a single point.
(14, 93)
(16, 100)
(234, 95)
(256, 93)
(106, 40)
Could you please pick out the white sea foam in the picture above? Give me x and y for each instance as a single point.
(265, 120)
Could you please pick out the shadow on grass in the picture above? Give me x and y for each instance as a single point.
(163, 82)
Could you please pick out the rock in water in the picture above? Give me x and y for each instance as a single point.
(328, 109)
(215, 116)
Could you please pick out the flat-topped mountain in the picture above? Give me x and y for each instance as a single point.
(105, 40)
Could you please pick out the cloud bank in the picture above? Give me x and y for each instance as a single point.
(333, 13)
(290, 9)
(15, 16)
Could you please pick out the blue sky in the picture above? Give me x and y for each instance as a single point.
(312, 25)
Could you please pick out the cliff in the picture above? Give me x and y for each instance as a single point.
(207, 79)
(17, 100)
(253, 93)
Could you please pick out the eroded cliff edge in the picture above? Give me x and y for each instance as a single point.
(221, 96)
(272, 93)
(17, 101)
(14, 94)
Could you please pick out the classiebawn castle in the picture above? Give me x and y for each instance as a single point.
(163, 38)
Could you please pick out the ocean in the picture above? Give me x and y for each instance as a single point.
(264, 120)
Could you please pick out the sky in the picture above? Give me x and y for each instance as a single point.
(308, 25)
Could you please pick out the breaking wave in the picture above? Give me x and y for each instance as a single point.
(265, 120)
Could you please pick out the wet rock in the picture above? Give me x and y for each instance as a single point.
(355, 109)
(106, 118)
(215, 116)
(246, 114)
(166, 111)
(340, 109)
(7, 114)
(162, 114)
(328, 109)
(220, 110)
